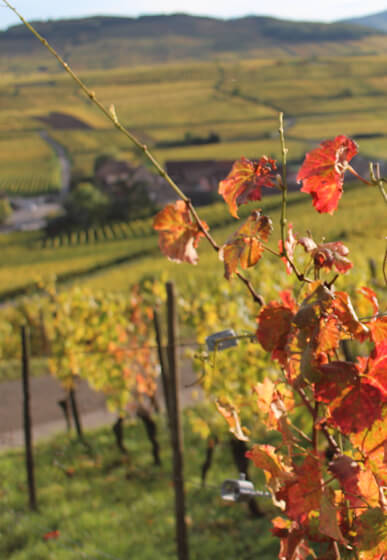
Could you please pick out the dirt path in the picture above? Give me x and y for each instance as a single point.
(47, 417)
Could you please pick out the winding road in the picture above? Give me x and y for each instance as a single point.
(31, 213)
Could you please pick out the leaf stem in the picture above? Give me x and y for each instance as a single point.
(356, 174)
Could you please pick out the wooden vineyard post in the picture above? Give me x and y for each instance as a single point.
(163, 365)
(27, 418)
(175, 427)
(64, 405)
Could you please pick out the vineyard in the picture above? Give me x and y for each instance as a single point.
(280, 448)
(238, 101)
(28, 165)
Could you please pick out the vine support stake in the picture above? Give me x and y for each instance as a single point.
(76, 416)
(175, 427)
(163, 364)
(27, 418)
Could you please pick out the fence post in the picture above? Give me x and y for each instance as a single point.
(175, 427)
(27, 418)
(163, 365)
(74, 408)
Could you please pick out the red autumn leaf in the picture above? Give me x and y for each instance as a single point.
(51, 535)
(245, 180)
(376, 373)
(336, 378)
(274, 324)
(357, 409)
(179, 235)
(302, 493)
(288, 300)
(346, 470)
(290, 245)
(245, 246)
(327, 255)
(322, 173)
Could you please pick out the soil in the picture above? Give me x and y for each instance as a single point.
(63, 121)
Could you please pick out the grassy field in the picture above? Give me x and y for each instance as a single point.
(118, 508)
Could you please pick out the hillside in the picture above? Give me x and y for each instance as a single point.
(377, 21)
(104, 42)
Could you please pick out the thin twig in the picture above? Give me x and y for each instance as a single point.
(331, 440)
(284, 190)
(256, 297)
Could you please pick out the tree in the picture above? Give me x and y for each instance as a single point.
(86, 205)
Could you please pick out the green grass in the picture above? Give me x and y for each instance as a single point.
(119, 508)
(10, 370)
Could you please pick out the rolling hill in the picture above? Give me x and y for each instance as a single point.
(377, 21)
(105, 42)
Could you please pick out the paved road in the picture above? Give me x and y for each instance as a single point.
(31, 213)
(64, 162)
(47, 417)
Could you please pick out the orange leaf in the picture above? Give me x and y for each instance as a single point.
(344, 311)
(178, 234)
(373, 445)
(230, 414)
(264, 457)
(302, 493)
(274, 323)
(378, 329)
(322, 173)
(245, 245)
(245, 180)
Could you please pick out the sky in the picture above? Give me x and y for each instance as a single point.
(307, 10)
